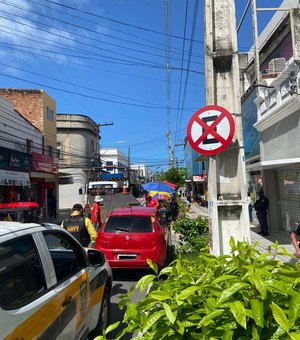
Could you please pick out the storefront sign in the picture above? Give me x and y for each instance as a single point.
(44, 163)
(15, 160)
(14, 178)
(199, 178)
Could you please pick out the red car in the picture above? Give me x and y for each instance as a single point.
(132, 235)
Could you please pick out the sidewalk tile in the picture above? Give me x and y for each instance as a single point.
(282, 237)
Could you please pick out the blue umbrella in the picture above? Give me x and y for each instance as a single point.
(158, 186)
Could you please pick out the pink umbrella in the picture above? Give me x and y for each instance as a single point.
(174, 186)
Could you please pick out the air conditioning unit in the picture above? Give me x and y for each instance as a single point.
(277, 65)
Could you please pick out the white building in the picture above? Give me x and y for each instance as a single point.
(143, 172)
(113, 160)
(271, 117)
(115, 166)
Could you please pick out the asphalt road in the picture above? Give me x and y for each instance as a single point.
(111, 202)
(124, 279)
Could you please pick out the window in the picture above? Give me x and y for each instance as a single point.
(50, 114)
(66, 180)
(21, 274)
(50, 151)
(66, 255)
(129, 224)
(59, 151)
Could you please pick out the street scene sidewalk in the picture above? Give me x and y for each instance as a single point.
(264, 242)
(59, 218)
(283, 238)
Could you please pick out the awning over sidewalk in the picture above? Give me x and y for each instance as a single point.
(15, 178)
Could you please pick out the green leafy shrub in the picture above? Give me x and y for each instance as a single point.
(193, 234)
(245, 295)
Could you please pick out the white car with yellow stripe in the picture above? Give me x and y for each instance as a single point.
(50, 286)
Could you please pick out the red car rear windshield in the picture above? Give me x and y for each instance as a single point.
(128, 224)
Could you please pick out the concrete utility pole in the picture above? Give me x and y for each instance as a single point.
(255, 40)
(171, 155)
(227, 190)
(295, 27)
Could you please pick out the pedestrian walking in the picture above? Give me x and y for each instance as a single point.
(153, 203)
(261, 207)
(80, 227)
(96, 212)
(174, 208)
(294, 239)
(52, 206)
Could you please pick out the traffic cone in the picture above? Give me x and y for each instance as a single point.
(125, 190)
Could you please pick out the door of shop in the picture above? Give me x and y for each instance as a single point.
(288, 184)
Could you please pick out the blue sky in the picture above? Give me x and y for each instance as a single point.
(107, 60)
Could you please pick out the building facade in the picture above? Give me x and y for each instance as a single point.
(19, 139)
(196, 172)
(37, 107)
(115, 166)
(271, 118)
(78, 157)
(141, 174)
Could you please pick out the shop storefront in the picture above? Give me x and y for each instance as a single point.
(288, 186)
(44, 180)
(200, 184)
(14, 175)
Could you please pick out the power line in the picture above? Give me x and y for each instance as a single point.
(83, 95)
(181, 72)
(109, 60)
(85, 28)
(189, 58)
(45, 52)
(73, 84)
(80, 36)
(115, 21)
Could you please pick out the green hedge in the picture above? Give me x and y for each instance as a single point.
(193, 234)
(244, 295)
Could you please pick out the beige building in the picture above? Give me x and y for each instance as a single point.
(78, 157)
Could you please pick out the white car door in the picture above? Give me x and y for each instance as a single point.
(72, 284)
(27, 305)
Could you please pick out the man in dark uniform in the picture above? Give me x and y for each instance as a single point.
(261, 208)
(80, 227)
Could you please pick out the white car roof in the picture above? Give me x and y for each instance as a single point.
(7, 227)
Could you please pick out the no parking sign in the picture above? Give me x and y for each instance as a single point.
(210, 130)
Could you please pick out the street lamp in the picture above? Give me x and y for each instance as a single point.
(108, 148)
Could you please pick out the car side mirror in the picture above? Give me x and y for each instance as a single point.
(96, 258)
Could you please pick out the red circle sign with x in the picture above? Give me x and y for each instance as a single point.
(210, 130)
